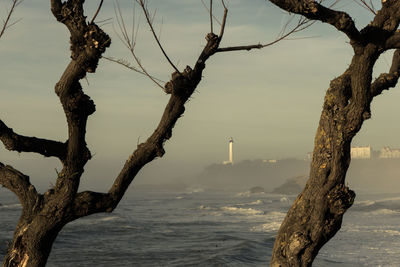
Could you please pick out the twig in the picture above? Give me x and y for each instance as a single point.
(221, 33)
(6, 24)
(211, 17)
(364, 4)
(302, 24)
(146, 13)
(126, 64)
(97, 11)
(130, 43)
(215, 18)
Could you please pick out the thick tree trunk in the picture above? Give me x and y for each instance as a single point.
(32, 242)
(316, 215)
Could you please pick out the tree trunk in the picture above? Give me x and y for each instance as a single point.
(32, 242)
(316, 215)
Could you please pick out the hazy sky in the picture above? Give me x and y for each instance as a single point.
(268, 100)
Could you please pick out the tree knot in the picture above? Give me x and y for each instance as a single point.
(182, 84)
(212, 43)
(340, 198)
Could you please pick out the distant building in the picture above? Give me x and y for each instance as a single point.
(386, 153)
(361, 152)
(269, 160)
(230, 161)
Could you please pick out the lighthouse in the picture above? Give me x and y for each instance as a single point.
(230, 161)
(231, 150)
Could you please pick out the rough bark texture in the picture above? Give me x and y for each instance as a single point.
(43, 216)
(316, 215)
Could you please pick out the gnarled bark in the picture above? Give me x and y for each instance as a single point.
(316, 215)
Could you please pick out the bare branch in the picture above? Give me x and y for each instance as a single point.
(315, 11)
(6, 23)
(221, 33)
(211, 16)
(97, 12)
(208, 11)
(387, 80)
(393, 42)
(88, 43)
(147, 15)
(387, 19)
(20, 143)
(370, 7)
(181, 87)
(302, 24)
(130, 42)
(20, 185)
(126, 64)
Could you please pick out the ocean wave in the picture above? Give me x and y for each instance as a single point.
(266, 227)
(202, 207)
(384, 212)
(390, 232)
(276, 215)
(284, 199)
(365, 203)
(242, 211)
(110, 218)
(194, 190)
(10, 206)
(257, 202)
(243, 194)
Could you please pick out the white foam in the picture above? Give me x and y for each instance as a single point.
(284, 199)
(390, 232)
(365, 203)
(266, 227)
(276, 215)
(243, 194)
(202, 207)
(384, 212)
(242, 211)
(257, 202)
(10, 206)
(111, 218)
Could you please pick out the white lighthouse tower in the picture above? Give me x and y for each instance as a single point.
(230, 161)
(231, 150)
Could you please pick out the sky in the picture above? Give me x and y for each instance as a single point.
(268, 100)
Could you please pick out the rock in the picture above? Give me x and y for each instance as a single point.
(257, 189)
(292, 186)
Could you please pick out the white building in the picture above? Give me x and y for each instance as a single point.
(361, 152)
(386, 153)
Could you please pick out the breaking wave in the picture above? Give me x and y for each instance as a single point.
(241, 211)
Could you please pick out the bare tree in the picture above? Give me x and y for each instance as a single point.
(44, 215)
(316, 215)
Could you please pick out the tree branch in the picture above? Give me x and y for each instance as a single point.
(88, 43)
(181, 87)
(97, 11)
(315, 11)
(6, 22)
(393, 42)
(146, 14)
(130, 43)
(387, 80)
(20, 143)
(302, 24)
(20, 185)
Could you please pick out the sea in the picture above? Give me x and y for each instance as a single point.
(204, 227)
